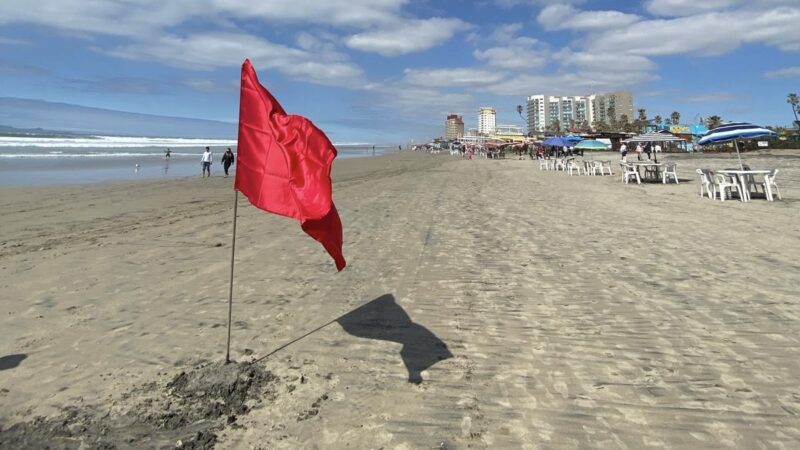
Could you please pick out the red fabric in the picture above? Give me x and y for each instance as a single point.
(284, 165)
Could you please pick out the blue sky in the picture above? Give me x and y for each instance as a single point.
(388, 71)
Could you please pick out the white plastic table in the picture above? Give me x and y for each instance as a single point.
(741, 177)
(646, 164)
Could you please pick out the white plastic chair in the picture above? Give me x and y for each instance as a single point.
(596, 167)
(651, 172)
(572, 166)
(669, 171)
(606, 165)
(723, 183)
(587, 167)
(769, 184)
(705, 182)
(543, 163)
(629, 171)
(560, 164)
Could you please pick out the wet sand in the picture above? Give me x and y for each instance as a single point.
(487, 304)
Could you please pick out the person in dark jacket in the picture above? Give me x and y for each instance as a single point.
(227, 160)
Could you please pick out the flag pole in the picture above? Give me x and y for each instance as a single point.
(230, 288)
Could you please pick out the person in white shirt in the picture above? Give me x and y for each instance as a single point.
(639, 150)
(205, 160)
(623, 151)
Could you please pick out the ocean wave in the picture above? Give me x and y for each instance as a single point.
(91, 155)
(111, 142)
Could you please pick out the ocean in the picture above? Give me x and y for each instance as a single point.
(41, 161)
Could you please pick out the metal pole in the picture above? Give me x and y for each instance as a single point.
(230, 289)
(736, 145)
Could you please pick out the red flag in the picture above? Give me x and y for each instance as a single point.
(284, 165)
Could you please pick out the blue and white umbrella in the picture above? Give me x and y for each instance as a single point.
(735, 131)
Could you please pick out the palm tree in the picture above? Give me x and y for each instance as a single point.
(600, 126)
(658, 120)
(519, 111)
(675, 117)
(624, 124)
(793, 100)
(611, 116)
(641, 121)
(713, 122)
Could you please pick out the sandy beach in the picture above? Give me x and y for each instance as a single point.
(486, 304)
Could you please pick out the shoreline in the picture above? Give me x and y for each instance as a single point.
(537, 308)
(84, 169)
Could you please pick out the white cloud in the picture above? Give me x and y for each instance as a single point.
(457, 77)
(713, 97)
(570, 83)
(511, 51)
(563, 17)
(141, 17)
(333, 12)
(676, 8)
(520, 53)
(406, 36)
(679, 8)
(206, 85)
(15, 42)
(706, 34)
(214, 50)
(510, 3)
(789, 72)
(612, 62)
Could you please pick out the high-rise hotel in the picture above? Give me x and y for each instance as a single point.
(487, 121)
(572, 111)
(453, 127)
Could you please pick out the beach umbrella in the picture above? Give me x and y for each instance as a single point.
(654, 136)
(735, 131)
(556, 141)
(572, 140)
(591, 144)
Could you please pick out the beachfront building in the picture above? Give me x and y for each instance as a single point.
(453, 127)
(620, 103)
(509, 133)
(547, 111)
(487, 117)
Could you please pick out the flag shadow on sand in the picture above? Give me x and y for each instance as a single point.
(385, 320)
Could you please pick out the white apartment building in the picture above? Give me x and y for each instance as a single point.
(575, 111)
(487, 119)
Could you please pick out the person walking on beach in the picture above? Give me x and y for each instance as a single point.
(167, 153)
(227, 160)
(623, 152)
(205, 160)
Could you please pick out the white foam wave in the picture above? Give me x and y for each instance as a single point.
(110, 142)
(90, 155)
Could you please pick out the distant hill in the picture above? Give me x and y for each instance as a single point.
(42, 118)
(38, 132)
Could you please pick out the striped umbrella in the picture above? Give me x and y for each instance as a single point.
(654, 136)
(735, 131)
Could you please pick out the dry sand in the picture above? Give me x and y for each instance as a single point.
(528, 309)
